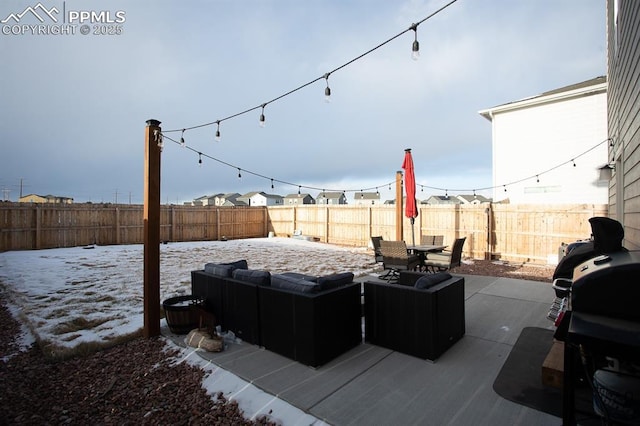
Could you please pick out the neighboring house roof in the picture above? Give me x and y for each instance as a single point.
(331, 194)
(296, 195)
(366, 196)
(273, 196)
(470, 199)
(597, 84)
(442, 199)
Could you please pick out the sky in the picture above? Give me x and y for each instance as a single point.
(74, 106)
(46, 289)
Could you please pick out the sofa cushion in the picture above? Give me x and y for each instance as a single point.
(429, 280)
(328, 282)
(225, 269)
(298, 275)
(252, 276)
(294, 284)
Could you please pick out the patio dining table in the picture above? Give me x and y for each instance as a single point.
(422, 250)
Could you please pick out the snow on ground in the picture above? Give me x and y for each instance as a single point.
(74, 295)
(67, 296)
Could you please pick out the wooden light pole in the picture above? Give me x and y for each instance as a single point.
(151, 215)
(399, 203)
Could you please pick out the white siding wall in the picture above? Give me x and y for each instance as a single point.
(536, 138)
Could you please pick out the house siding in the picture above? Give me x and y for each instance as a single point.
(623, 41)
(550, 130)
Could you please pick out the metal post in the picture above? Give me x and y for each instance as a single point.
(399, 203)
(152, 229)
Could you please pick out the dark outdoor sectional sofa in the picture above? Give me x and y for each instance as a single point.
(422, 315)
(308, 319)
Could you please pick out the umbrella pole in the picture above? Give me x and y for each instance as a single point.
(413, 235)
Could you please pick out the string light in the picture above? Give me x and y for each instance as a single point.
(160, 136)
(574, 163)
(327, 90)
(415, 48)
(262, 119)
(182, 142)
(218, 137)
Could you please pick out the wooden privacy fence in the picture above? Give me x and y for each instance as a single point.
(37, 226)
(520, 233)
(517, 233)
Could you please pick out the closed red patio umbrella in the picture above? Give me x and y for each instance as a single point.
(410, 208)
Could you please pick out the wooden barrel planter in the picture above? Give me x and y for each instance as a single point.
(180, 316)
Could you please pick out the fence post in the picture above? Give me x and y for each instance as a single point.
(38, 227)
(151, 218)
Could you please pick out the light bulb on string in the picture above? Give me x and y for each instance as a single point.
(239, 173)
(182, 142)
(158, 137)
(505, 188)
(573, 161)
(537, 179)
(415, 48)
(298, 190)
(271, 183)
(218, 137)
(200, 159)
(327, 90)
(262, 118)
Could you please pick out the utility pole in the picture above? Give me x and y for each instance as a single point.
(151, 219)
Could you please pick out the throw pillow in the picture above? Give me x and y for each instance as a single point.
(430, 280)
(262, 278)
(328, 282)
(294, 284)
(224, 269)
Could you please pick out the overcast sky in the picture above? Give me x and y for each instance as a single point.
(74, 106)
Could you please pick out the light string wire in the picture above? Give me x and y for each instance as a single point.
(273, 180)
(322, 77)
(534, 176)
(446, 190)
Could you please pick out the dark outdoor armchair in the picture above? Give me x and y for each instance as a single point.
(396, 258)
(445, 260)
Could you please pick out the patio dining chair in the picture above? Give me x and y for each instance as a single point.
(375, 241)
(445, 260)
(396, 258)
(432, 240)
